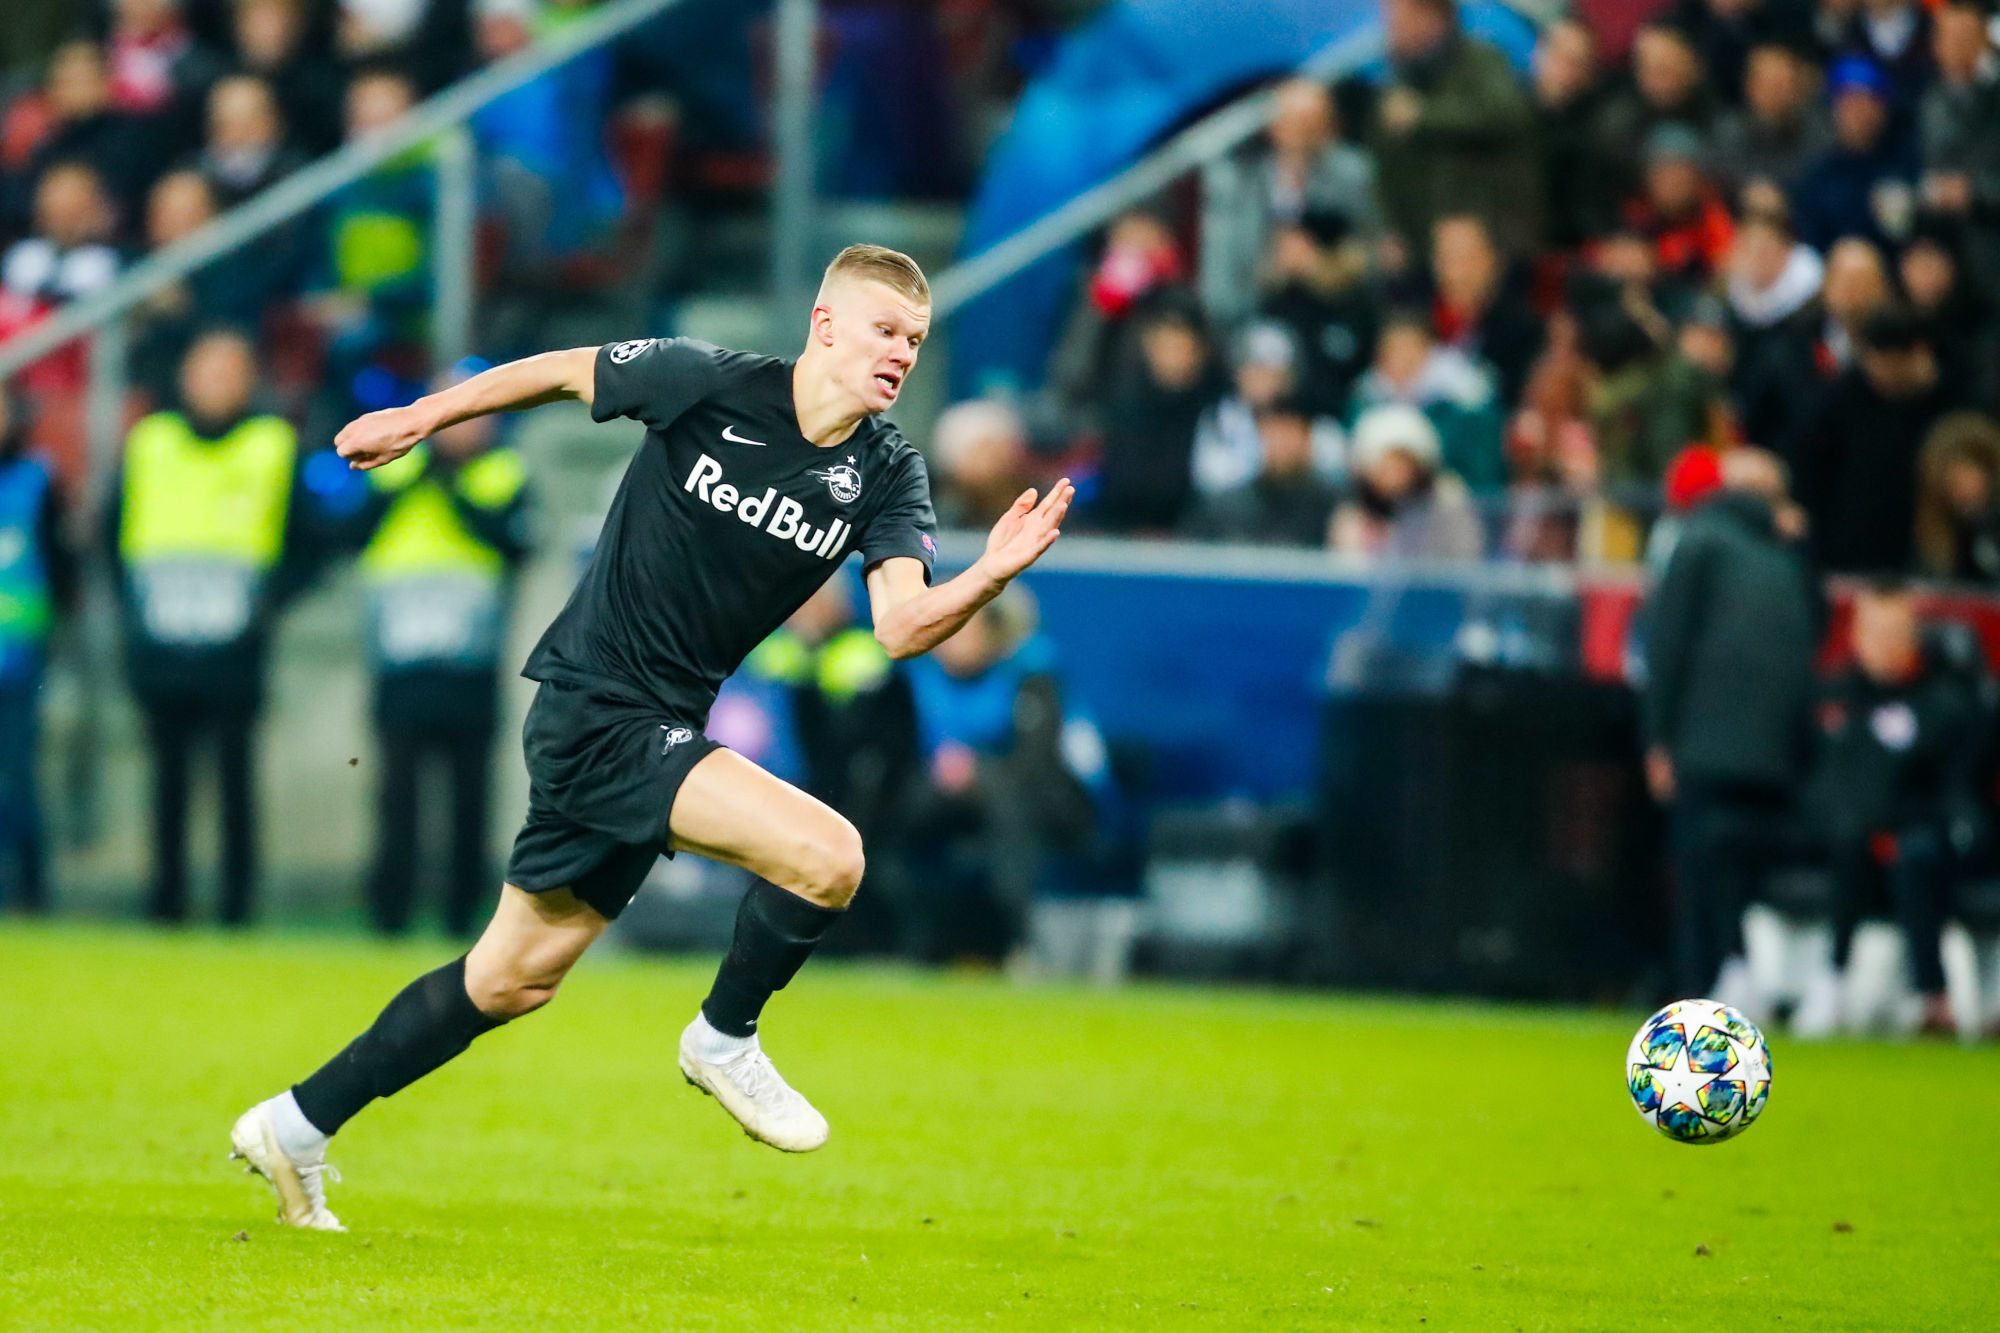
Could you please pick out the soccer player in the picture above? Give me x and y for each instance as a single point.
(757, 478)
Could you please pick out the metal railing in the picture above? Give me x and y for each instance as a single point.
(1218, 133)
(292, 196)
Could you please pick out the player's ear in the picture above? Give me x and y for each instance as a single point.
(822, 324)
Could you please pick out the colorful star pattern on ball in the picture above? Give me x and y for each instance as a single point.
(1698, 1071)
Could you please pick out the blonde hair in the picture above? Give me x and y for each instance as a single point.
(878, 263)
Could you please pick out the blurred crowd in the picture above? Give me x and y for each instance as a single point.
(126, 125)
(1460, 309)
(985, 791)
(1712, 284)
(1821, 799)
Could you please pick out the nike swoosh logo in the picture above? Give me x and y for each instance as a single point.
(729, 433)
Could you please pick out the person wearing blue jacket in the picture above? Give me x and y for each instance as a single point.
(37, 581)
(1017, 800)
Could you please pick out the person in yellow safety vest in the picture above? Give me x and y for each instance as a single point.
(821, 704)
(851, 724)
(445, 530)
(37, 583)
(210, 532)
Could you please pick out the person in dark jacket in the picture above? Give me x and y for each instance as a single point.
(1316, 284)
(1955, 134)
(84, 126)
(1857, 460)
(1287, 503)
(1900, 747)
(1785, 372)
(1569, 100)
(1894, 35)
(1473, 309)
(1727, 33)
(1957, 316)
(1147, 479)
(208, 532)
(1727, 708)
(1762, 149)
(1454, 132)
(1865, 185)
(1669, 87)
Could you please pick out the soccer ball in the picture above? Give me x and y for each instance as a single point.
(1699, 1072)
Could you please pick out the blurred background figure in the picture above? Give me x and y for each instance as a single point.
(1955, 119)
(1472, 309)
(1301, 166)
(1285, 502)
(246, 149)
(821, 704)
(1732, 631)
(275, 41)
(78, 123)
(1228, 446)
(1139, 274)
(38, 578)
(1316, 284)
(1958, 501)
(210, 533)
(1857, 458)
(69, 254)
(1789, 366)
(372, 279)
(1403, 502)
(1669, 87)
(982, 461)
(1454, 134)
(443, 532)
(1451, 390)
(1570, 90)
(1016, 803)
(1146, 480)
(1864, 185)
(1903, 735)
(1762, 148)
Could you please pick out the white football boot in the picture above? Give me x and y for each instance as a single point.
(300, 1184)
(750, 1088)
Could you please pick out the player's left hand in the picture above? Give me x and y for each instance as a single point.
(1026, 530)
(382, 437)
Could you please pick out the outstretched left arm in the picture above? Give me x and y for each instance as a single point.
(911, 619)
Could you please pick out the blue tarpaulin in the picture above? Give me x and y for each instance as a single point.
(1117, 86)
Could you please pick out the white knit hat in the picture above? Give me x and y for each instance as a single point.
(1396, 426)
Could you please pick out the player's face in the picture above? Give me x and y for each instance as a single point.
(874, 333)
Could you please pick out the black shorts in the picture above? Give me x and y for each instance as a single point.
(602, 776)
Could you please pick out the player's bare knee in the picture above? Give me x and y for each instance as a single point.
(512, 988)
(507, 997)
(834, 864)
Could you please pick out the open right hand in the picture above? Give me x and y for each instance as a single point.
(382, 437)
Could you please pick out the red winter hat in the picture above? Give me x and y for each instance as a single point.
(1694, 473)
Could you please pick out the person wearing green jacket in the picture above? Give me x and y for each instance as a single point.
(1454, 133)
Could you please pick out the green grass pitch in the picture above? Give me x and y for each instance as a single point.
(1003, 1157)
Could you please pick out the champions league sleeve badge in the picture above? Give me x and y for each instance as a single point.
(625, 351)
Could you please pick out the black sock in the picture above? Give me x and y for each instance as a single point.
(431, 1020)
(776, 932)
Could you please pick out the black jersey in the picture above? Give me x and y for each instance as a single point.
(727, 520)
